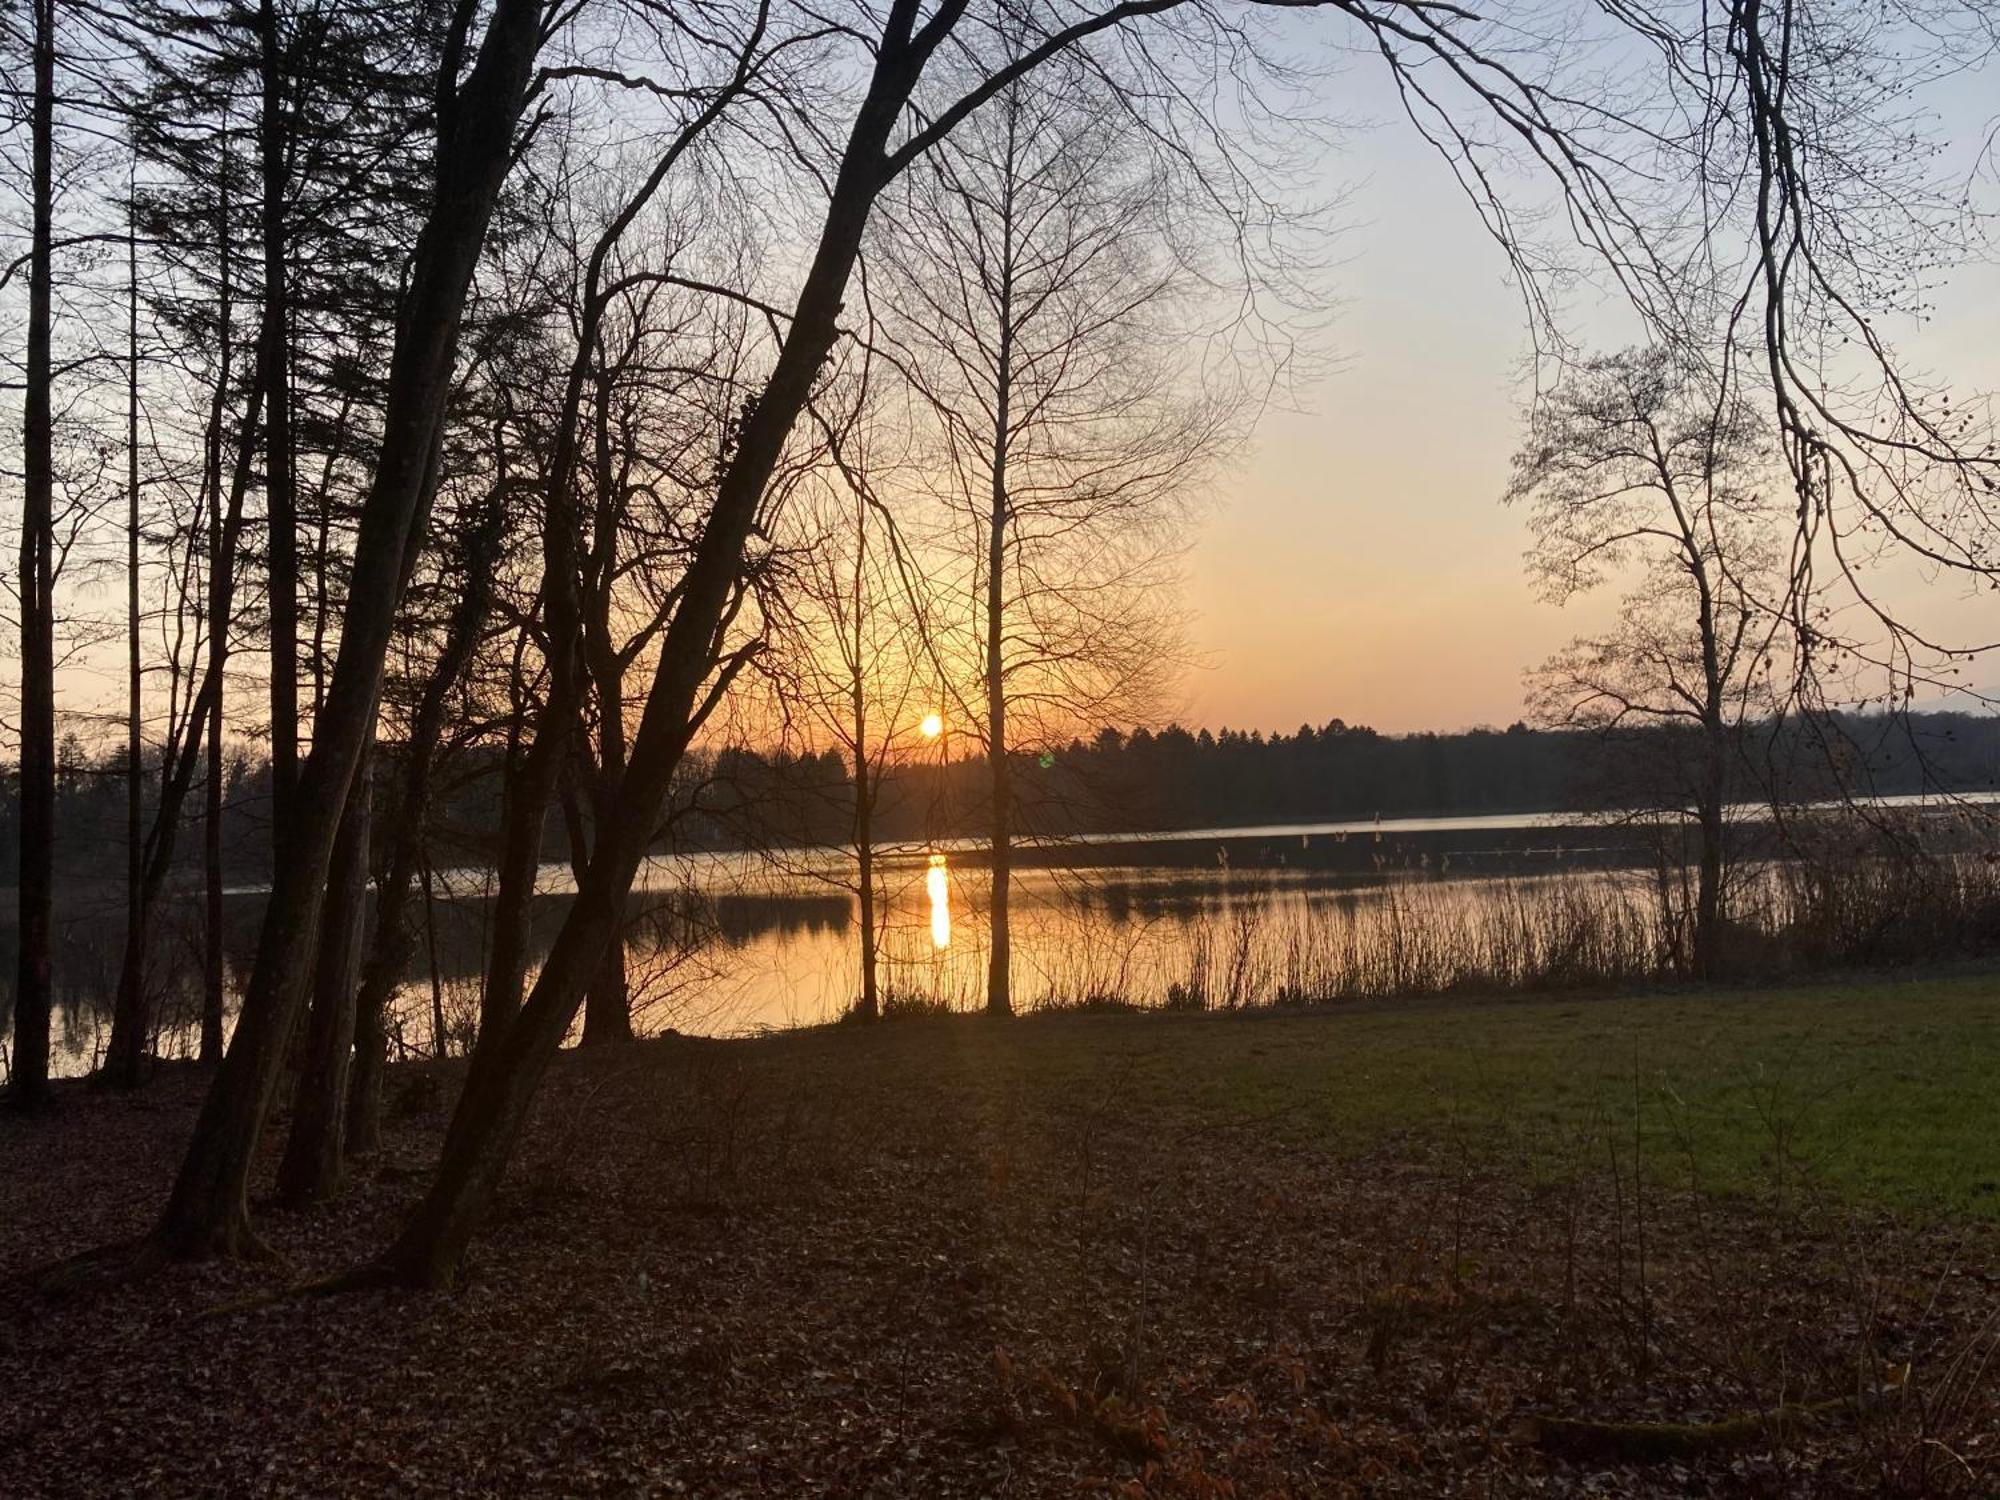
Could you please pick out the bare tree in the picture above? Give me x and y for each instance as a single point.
(1042, 306)
(33, 992)
(1638, 470)
(850, 659)
(579, 651)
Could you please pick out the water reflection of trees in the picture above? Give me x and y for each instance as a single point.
(672, 942)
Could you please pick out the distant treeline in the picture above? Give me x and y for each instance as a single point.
(1173, 779)
(1180, 779)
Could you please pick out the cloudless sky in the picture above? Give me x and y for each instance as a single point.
(1357, 563)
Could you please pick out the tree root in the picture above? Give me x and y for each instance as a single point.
(125, 1261)
(97, 1270)
(369, 1276)
(1663, 1442)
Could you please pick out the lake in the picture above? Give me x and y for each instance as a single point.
(723, 944)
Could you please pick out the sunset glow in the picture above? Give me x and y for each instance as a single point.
(932, 726)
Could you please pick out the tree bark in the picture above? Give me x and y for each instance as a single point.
(32, 981)
(208, 1209)
(607, 1008)
(1708, 873)
(311, 1169)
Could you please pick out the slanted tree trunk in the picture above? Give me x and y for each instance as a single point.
(208, 1209)
(311, 1169)
(607, 1008)
(32, 980)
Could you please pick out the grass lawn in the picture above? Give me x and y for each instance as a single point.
(1887, 1093)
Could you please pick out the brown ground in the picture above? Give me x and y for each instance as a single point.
(921, 1262)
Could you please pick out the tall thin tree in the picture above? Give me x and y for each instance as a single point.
(135, 750)
(33, 992)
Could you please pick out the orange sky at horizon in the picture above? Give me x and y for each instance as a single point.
(1357, 562)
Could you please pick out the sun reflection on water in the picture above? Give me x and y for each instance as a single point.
(937, 882)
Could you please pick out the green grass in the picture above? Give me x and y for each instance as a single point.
(1886, 1094)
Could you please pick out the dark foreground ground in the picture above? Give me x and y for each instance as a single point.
(1367, 1253)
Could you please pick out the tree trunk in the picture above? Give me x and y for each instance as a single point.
(208, 1210)
(213, 963)
(524, 811)
(1708, 875)
(539, 771)
(865, 784)
(32, 980)
(607, 1009)
(135, 750)
(221, 588)
(999, 963)
(870, 1006)
(439, 1048)
(311, 1169)
(533, 781)
(274, 374)
(364, 1082)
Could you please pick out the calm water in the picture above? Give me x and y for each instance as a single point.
(730, 943)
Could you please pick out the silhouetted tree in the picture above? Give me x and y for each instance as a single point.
(1041, 305)
(33, 990)
(1637, 469)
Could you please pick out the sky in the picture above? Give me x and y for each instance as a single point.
(1357, 562)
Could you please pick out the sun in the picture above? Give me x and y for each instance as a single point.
(932, 726)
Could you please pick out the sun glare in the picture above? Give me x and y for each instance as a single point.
(932, 726)
(937, 884)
